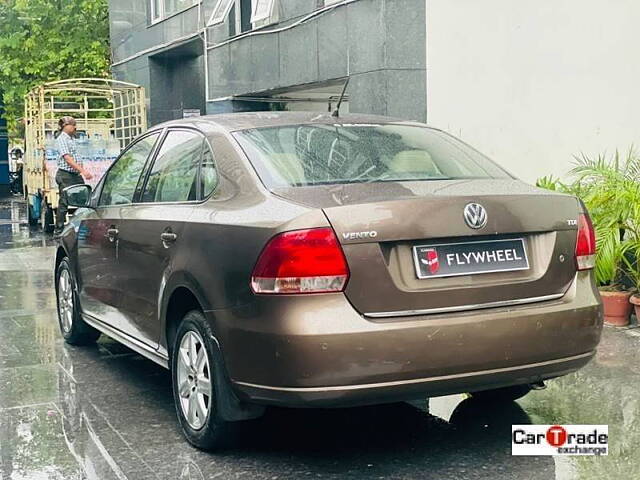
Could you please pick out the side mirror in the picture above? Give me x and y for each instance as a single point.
(77, 195)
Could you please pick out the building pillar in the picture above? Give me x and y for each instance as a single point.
(4, 152)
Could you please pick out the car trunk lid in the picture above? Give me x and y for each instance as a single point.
(388, 229)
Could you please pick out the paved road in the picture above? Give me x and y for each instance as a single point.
(106, 413)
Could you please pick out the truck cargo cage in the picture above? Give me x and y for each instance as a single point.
(109, 115)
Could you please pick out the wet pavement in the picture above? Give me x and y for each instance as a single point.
(105, 412)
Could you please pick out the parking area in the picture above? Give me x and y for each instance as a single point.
(105, 412)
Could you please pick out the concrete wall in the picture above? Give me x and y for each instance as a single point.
(379, 43)
(131, 30)
(168, 89)
(532, 83)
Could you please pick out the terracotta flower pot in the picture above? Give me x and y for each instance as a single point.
(617, 308)
(635, 301)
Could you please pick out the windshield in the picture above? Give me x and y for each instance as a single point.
(302, 155)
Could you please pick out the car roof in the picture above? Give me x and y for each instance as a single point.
(248, 120)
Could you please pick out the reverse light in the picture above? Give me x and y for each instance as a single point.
(301, 261)
(585, 243)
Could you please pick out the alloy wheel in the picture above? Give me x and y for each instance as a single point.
(194, 380)
(65, 301)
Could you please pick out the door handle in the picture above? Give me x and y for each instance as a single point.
(168, 237)
(112, 233)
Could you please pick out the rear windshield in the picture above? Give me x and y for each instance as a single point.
(302, 155)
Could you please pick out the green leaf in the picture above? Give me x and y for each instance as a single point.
(44, 40)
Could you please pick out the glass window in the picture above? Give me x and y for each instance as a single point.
(173, 177)
(264, 12)
(239, 14)
(261, 10)
(120, 184)
(163, 8)
(156, 9)
(173, 6)
(220, 11)
(245, 15)
(300, 155)
(208, 173)
(232, 21)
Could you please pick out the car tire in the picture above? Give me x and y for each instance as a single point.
(194, 386)
(73, 328)
(505, 394)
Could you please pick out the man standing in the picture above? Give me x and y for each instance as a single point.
(70, 172)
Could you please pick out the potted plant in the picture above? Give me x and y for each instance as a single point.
(610, 190)
(631, 259)
(614, 291)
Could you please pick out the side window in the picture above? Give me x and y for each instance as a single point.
(208, 174)
(120, 183)
(173, 177)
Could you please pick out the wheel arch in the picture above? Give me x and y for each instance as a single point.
(181, 294)
(183, 297)
(60, 254)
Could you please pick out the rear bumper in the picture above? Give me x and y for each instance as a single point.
(317, 350)
(345, 395)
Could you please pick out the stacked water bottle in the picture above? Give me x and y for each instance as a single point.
(95, 154)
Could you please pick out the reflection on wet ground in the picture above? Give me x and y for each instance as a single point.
(106, 413)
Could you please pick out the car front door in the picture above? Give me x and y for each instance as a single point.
(150, 232)
(99, 260)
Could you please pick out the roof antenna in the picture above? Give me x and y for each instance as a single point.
(336, 112)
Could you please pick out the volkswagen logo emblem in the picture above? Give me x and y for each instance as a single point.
(475, 215)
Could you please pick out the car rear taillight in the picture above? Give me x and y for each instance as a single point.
(585, 243)
(301, 261)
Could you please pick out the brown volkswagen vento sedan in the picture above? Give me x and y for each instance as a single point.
(304, 260)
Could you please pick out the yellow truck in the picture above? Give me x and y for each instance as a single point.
(109, 115)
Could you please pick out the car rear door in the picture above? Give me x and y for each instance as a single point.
(99, 260)
(151, 231)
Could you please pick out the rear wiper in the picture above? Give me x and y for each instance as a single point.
(433, 179)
